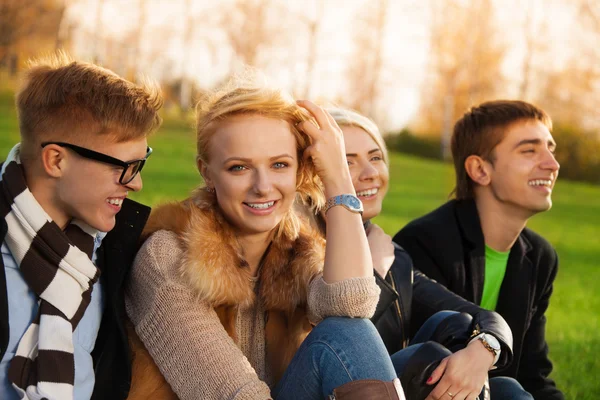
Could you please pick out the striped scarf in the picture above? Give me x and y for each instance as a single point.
(57, 266)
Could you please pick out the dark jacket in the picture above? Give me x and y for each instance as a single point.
(408, 298)
(448, 246)
(111, 354)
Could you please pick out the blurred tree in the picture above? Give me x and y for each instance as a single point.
(571, 94)
(28, 27)
(366, 65)
(536, 45)
(466, 56)
(251, 26)
(313, 26)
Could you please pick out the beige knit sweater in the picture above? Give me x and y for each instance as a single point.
(189, 344)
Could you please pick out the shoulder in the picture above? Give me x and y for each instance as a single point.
(160, 254)
(538, 243)
(541, 253)
(435, 223)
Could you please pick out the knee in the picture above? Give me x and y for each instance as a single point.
(345, 326)
(354, 332)
(441, 315)
(504, 387)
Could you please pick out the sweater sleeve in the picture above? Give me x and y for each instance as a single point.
(183, 335)
(354, 297)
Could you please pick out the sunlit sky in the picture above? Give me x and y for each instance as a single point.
(405, 46)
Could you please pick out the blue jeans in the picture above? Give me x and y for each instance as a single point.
(500, 387)
(338, 350)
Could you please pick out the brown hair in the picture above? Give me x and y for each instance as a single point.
(63, 99)
(243, 96)
(481, 129)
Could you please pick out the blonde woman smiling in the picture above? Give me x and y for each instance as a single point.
(232, 295)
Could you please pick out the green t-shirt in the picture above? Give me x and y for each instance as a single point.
(495, 268)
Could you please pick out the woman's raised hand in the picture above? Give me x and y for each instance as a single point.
(327, 150)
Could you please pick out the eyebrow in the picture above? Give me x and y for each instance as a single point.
(551, 143)
(356, 155)
(248, 160)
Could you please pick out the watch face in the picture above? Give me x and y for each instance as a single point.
(354, 202)
(492, 341)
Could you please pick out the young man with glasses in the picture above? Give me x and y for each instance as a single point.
(68, 232)
(478, 245)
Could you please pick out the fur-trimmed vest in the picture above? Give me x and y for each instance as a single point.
(214, 266)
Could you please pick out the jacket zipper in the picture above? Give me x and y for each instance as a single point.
(397, 303)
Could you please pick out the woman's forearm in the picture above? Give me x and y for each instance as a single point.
(347, 253)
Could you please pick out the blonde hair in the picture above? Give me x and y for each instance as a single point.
(346, 117)
(243, 96)
(61, 99)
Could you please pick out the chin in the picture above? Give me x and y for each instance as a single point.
(103, 226)
(371, 213)
(539, 208)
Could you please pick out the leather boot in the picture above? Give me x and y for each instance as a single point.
(370, 389)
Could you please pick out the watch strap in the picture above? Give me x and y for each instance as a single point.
(345, 201)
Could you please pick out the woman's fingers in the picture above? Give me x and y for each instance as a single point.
(438, 372)
(317, 112)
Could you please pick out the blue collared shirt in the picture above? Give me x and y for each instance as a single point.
(22, 309)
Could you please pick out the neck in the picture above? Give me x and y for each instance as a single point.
(500, 223)
(43, 192)
(254, 247)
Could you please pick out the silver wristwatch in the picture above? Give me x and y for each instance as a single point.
(490, 343)
(349, 201)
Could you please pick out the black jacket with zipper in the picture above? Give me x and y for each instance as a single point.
(111, 354)
(408, 298)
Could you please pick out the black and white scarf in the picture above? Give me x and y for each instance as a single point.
(57, 266)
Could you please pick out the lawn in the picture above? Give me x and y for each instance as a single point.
(418, 186)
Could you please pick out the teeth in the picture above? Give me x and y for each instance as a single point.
(116, 202)
(366, 193)
(261, 206)
(540, 182)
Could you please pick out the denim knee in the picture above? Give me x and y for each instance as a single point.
(504, 387)
(342, 325)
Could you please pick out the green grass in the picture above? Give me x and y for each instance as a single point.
(572, 226)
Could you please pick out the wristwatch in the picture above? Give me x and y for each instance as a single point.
(490, 343)
(349, 201)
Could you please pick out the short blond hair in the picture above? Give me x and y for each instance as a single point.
(244, 96)
(60, 99)
(346, 117)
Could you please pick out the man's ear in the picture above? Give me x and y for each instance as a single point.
(478, 170)
(53, 160)
(203, 168)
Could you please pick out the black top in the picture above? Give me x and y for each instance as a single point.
(448, 246)
(408, 298)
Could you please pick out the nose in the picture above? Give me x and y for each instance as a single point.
(262, 183)
(136, 184)
(368, 172)
(550, 162)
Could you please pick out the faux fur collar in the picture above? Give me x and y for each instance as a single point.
(213, 262)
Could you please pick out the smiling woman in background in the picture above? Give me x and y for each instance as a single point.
(413, 308)
(227, 288)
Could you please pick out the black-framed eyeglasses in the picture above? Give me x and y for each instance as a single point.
(130, 168)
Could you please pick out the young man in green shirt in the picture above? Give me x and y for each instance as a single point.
(478, 246)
